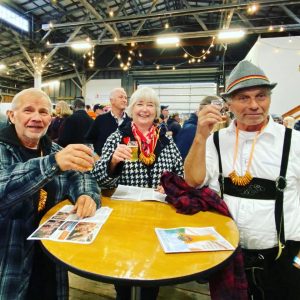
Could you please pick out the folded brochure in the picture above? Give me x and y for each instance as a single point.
(65, 226)
(134, 193)
(191, 239)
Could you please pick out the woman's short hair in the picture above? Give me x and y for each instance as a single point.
(144, 93)
(65, 109)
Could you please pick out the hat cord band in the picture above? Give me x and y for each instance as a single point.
(244, 79)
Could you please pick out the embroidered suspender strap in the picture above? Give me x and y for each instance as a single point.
(280, 186)
(221, 177)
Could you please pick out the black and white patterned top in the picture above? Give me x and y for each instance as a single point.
(168, 158)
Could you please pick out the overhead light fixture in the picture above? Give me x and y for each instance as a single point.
(2, 67)
(81, 45)
(170, 40)
(252, 8)
(231, 34)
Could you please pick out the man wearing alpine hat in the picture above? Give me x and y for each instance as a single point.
(254, 164)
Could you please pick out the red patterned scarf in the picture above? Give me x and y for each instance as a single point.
(146, 143)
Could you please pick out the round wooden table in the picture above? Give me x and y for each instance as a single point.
(127, 249)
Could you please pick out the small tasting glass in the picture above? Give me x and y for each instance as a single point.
(219, 104)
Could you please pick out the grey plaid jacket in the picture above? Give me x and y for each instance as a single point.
(20, 183)
(168, 158)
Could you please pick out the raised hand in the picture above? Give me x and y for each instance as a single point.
(207, 118)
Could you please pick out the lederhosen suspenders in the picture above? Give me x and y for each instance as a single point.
(260, 188)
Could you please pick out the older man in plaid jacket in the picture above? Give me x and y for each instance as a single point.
(35, 174)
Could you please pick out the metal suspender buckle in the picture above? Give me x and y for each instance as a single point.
(280, 183)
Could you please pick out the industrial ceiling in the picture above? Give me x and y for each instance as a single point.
(123, 35)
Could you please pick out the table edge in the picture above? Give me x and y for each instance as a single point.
(139, 282)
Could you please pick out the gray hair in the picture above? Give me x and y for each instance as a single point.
(64, 108)
(144, 93)
(113, 92)
(29, 92)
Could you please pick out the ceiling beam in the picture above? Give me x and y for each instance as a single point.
(143, 21)
(165, 15)
(290, 13)
(183, 35)
(200, 22)
(99, 18)
(244, 19)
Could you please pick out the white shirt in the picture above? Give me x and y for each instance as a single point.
(119, 120)
(255, 218)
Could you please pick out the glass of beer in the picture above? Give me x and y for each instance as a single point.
(91, 146)
(219, 103)
(133, 145)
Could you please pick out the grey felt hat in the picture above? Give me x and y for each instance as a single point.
(244, 75)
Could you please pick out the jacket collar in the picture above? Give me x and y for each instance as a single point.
(8, 135)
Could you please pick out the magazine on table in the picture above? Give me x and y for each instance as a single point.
(191, 239)
(65, 226)
(134, 193)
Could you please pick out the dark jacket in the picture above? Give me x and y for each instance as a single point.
(137, 173)
(75, 128)
(297, 125)
(185, 137)
(173, 126)
(56, 127)
(102, 128)
(21, 179)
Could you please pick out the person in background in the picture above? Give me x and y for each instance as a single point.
(264, 204)
(161, 123)
(75, 126)
(90, 112)
(98, 110)
(297, 125)
(165, 112)
(277, 118)
(156, 153)
(36, 174)
(107, 123)
(62, 111)
(3, 120)
(174, 124)
(289, 122)
(185, 137)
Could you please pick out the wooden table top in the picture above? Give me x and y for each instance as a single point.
(127, 249)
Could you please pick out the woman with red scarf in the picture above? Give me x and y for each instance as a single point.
(157, 153)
